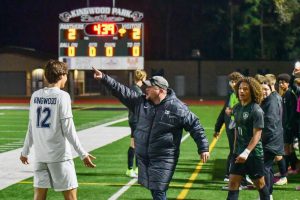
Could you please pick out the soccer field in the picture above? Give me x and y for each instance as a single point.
(104, 181)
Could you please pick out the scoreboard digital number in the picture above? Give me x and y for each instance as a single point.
(102, 45)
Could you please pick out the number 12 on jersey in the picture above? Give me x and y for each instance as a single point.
(43, 115)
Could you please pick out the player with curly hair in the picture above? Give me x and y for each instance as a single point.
(248, 150)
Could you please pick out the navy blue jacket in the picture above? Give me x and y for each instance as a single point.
(158, 133)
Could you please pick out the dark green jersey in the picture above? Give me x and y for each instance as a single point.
(248, 117)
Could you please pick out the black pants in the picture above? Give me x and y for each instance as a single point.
(268, 169)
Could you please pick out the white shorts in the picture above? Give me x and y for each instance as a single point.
(60, 176)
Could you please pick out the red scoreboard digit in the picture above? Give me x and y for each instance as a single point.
(109, 45)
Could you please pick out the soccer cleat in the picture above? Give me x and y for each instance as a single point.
(298, 188)
(275, 179)
(131, 173)
(226, 187)
(249, 181)
(226, 178)
(281, 181)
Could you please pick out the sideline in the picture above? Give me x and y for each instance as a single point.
(134, 180)
(193, 177)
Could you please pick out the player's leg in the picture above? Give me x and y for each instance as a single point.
(130, 156)
(64, 178)
(131, 153)
(41, 181)
(40, 193)
(234, 184)
(262, 188)
(268, 169)
(70, 194)
(255, 169)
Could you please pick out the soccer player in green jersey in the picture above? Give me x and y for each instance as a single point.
(248, 151)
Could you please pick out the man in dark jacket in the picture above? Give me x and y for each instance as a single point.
(161, 120)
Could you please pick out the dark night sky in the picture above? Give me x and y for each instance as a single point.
(34, 24)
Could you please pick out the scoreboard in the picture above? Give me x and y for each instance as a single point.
(104, 45)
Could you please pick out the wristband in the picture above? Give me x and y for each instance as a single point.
(245, 154)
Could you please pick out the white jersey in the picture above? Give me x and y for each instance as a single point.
(51, 128)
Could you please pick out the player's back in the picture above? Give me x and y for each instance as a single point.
(48, 106)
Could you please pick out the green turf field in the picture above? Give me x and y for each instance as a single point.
(13, 123)
(105, 180)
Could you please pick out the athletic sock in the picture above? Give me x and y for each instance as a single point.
(233, 195)
(130, 157)
(282, 167)
(264, 193)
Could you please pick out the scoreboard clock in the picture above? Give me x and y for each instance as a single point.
(104, 45)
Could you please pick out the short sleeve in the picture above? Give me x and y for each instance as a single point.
(258, 117)
(65, 108)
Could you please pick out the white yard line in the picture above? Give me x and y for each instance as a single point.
(121, 191)
(13, 171)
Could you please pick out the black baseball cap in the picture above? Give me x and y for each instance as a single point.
(158, 81)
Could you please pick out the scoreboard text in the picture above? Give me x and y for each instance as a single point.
(102, 45)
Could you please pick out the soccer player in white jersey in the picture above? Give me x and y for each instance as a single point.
(51, 131)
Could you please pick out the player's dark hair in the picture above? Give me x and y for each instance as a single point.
(255, 89)
(54, 69)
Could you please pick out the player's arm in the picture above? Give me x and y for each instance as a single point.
(127, 96)
(27, 145)
(69, 131)
(192, 125)
(253, 142)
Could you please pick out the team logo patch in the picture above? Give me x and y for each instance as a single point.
(245, 115)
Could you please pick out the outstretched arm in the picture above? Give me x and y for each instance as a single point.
(127, 96)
